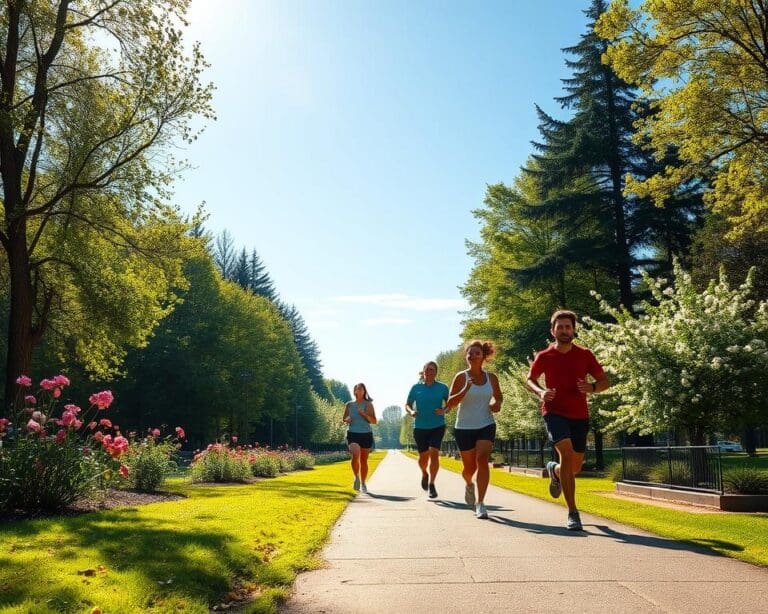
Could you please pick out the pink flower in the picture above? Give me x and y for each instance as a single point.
(73, 408)
(102, 399)
(98, 436)
(4, 422)
(234, 438)
(155, 432)
(180, 433)
(105, 422)
(34, 426)
(30, 399)
(92, 425)
(61, 436)
(77, 423)
(124, 471)
(67, 418)
(61, 380)
(48, 384)
(24, 381)
(56, 393)
(38, 416)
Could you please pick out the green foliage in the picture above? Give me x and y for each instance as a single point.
(339, 390)
(39, 475)
(746, 480)
(149, 463)
(301, 459)
(95, 97)
(48, 461)
(692, 360)
(387, 430)
(220, 463)
(330, 428)
(702, 66)
(213, 365)
(267, 465)
(677, 474)
(521, 414)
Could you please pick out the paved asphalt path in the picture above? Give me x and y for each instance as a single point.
(394, 550)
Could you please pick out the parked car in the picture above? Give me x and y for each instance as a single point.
(729, 446)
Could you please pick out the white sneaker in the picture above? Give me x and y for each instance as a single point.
(364, 489)
(480, 511)
(356, 485)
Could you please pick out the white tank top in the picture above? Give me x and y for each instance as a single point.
(474, 410)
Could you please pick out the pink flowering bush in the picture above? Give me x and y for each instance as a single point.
(220, 463)
(50, 458)
(150, 460)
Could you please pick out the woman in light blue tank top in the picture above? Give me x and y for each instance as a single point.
(359, 415)
(478, 396)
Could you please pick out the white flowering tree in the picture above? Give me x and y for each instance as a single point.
(520, 415)
(691, 360)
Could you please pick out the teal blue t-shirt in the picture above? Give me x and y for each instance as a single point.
(425, 400)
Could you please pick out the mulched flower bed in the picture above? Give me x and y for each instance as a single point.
(112, 500)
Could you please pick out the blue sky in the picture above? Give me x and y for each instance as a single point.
(353, 141)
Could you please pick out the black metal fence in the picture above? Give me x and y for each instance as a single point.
(685, 467)
(516, 453)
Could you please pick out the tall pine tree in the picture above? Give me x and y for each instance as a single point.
(582, 164)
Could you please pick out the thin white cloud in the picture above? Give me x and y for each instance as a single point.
(386, 321)
(404, 301)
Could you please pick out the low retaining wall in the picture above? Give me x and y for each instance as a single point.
(730, 503)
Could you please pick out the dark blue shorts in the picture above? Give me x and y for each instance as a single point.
(467, 439)
(428, 438)
(560, 427)
(364, 440)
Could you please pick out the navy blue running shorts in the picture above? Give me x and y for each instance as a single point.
(428, 438)
(560, 427)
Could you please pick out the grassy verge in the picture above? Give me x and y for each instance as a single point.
(741, 536)
(218, 545)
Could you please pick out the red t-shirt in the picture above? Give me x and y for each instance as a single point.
(561, 372)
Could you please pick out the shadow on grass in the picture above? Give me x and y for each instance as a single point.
(200, 560)
(157, 550)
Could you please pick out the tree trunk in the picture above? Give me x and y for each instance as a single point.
(620, 233)
(599, 456)
(21, 335)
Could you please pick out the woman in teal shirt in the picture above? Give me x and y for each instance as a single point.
(426, 404)
(359, 416)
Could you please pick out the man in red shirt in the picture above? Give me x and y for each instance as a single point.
(565, 367)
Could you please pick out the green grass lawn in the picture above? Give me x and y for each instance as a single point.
(742, 536)
(220, 543)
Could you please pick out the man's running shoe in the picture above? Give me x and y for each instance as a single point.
(356, 485)
(424, 481)
(432, 491)
(469, 495)
(480, 511)
(555, 488)
(574, 522)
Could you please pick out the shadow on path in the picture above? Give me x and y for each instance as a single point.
(648, 541)
(373, 495)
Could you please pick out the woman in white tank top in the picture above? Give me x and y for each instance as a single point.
(478, 396)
